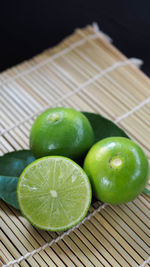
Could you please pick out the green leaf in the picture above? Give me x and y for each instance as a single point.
(8, 190)
(146, 191)
(103, 127)
(13, 163)
(26, 155)
(11, 166)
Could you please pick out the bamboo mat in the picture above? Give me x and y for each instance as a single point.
(87, 73)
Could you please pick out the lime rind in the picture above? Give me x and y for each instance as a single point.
(67, 164)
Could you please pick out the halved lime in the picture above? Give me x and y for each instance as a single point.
(54, 193)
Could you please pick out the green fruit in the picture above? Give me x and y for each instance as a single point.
(54, 193)
(118, 170)
(61, 131)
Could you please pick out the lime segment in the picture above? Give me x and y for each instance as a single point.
(54, 193)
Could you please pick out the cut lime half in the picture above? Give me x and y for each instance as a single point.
(54, 193)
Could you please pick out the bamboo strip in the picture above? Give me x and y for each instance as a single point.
(133, 213)
(102, 84)
(91, 236)
(17, 108)
(117, 53)
(10, 247)
(85, 68)
(131, 249)
(69, 253)
(128, 233)
(18, 237)
(94, 99)
(93, 85)
(140, 214)
(116, 240)
(30, 260)
(142, 207)
(146, 197)
(92, 259)
(143, 132)
(62, 245)
(81, 234)
(112, 255)
(77, 250)
(107, 80)
(31, 236)
(143, 200)
(6, 145)
(3, 150)
(5, 254)
(134, 225)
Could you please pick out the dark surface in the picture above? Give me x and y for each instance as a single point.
(29, 27)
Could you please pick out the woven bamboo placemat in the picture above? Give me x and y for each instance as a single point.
(87, 73)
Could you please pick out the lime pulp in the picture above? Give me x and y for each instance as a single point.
(54, 193)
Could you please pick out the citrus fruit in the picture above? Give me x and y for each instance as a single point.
(54, 193)
(118, 170)
(61, 131)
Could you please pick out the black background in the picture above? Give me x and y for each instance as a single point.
(28, 27)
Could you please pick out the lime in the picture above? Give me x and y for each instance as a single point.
(61, 131)
(118, 170)
(54, 193)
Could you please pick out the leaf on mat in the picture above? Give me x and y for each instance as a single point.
(146, 191)
(103, 127)
(11, 166)
(8, 190)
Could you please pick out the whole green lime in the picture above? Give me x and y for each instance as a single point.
(61, 131)
(118, 170)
